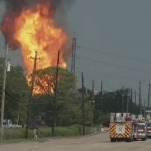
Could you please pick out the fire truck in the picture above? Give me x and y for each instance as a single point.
(149, 129)
(142, 127)
(148, 123)
(123, 127)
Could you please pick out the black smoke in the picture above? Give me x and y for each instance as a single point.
(15, 7)
(18, 5)
(59, 7)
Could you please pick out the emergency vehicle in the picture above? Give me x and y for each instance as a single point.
(142, 131)
(149, 129)
(148, 123)
(123, 127)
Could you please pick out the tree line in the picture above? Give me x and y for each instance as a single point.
(68, 101)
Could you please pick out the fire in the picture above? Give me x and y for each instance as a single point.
(35, 30)
(44, 84)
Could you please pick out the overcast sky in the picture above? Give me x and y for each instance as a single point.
(117, 35)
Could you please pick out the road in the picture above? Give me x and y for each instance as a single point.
(99, 142)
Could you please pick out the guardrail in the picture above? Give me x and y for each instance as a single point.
(13, 126)
(99, 129)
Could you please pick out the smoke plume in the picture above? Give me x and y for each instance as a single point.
(18, 5)
(15, 7)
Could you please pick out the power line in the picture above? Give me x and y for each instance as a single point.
(115, 65)
(111, 76)
(115, 54)
(15, 100)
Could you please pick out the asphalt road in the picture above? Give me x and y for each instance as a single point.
(99, 142)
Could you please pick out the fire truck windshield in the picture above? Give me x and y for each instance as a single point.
(148, 124)
(141, 127)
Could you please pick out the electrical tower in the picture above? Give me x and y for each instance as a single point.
(73, 56)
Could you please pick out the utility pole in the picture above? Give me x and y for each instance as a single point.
(122, 102)
(92, 91)
(73, 56)
(83, 105)
(148, 95)
(55, 96)
(140, 100)
(92, 102)
(131, 95)
(127, 108)
(3, 89)
(130, 99)
(135, 97)
(30, 97)
(101, 97)
(144, 107)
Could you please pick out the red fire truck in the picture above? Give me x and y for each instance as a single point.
(123, 127)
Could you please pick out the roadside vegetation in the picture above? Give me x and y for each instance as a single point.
(69, 119)
(45, 132)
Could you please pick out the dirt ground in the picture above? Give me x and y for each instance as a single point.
(86, 143)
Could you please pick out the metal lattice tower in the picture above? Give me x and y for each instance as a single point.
(73, 56)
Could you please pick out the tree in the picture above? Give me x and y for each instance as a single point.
(113, 102)
(66, 104)
(15, 104)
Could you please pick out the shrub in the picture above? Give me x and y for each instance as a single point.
(44, 132)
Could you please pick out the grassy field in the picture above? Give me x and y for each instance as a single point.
(18, 134)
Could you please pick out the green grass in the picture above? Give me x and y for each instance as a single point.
(18, 134)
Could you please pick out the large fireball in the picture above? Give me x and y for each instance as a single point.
(36, 31)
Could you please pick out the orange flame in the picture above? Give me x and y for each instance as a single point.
(44, 85)
(35, 30)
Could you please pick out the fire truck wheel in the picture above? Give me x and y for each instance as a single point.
(143, 139)
(135, 139)
(130, 140)
(113, 140)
